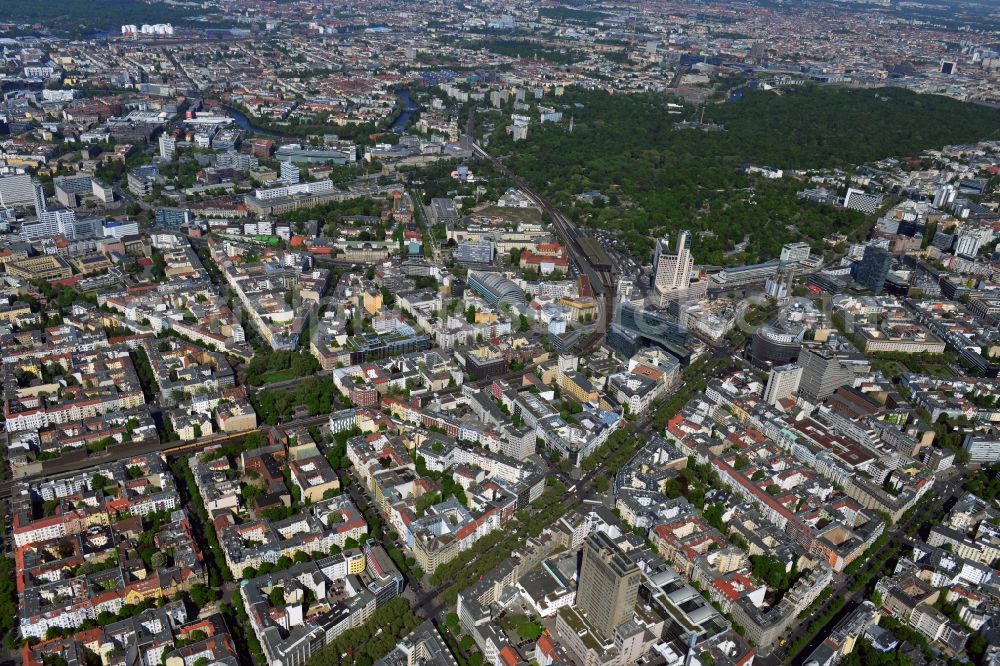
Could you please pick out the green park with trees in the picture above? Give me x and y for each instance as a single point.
(657, 179)
(366, 644)
(268, 366)
(313, 394)
(82, 17)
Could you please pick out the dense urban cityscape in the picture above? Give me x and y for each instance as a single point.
(594, 333)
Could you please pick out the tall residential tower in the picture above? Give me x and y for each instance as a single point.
(672, 265)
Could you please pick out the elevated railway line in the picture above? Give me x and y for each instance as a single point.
(586, 253)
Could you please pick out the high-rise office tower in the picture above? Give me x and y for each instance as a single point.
(824, 370)
(782, 382)
(289, 173)
(168, 145)
(874, 268)
(38, 193)
(609, 584)
(672, 265)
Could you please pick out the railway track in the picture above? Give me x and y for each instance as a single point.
(122, 452)
(602, 280)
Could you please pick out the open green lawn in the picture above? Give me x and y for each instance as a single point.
(278, 376)
(935, 369)
(893, 368)
(889, 368)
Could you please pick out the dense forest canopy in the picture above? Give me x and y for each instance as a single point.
(81, 17)
(815, 127)
(659, 179)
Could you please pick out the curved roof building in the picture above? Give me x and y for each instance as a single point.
(495, 288)
(770, 346)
